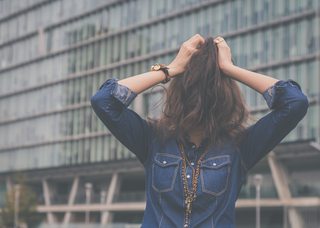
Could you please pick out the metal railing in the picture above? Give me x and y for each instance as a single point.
(78, 225)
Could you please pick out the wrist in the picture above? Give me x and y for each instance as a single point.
(173, 71)
(227, 69)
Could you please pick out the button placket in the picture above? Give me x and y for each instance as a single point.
(192, 157)
(189, 176)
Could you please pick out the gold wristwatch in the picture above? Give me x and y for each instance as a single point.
(164, 68)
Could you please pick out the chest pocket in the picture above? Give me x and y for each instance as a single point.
(215, 172)
(164, 171)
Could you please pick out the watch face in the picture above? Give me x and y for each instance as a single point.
(156, 67)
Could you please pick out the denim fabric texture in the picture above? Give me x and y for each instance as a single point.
(222, 171)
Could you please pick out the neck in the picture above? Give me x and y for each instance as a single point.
(196, 138)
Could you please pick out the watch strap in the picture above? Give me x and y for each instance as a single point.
(164, 69)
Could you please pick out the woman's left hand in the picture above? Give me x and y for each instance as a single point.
(224, 53)
(187, 49)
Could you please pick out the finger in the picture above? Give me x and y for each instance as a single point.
(219, 39)
(196, 41)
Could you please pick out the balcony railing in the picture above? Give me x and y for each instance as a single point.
(138, 196)
(78, 225)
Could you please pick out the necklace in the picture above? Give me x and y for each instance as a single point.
(189, 195)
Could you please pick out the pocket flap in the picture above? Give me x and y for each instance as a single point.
(216, 162)
(164, 159)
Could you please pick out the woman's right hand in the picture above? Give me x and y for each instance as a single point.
(224, 53)
(178, 65)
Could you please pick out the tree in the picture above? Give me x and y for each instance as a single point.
(27, 207)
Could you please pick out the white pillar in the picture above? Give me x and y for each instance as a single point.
(9, 184)
(113, 188)
(72, 196)
(280, 178)
(47, 200)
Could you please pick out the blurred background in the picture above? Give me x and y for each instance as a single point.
(59, 165)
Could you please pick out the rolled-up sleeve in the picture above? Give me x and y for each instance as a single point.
(289, 105)
(110, 104)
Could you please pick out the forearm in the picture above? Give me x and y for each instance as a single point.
(141, 82)
(256, 81)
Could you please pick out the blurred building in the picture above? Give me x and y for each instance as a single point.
(54, 55)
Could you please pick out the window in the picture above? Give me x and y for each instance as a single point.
(153, 102)
(123, 48)
(132, 44)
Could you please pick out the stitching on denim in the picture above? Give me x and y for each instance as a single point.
(166, 155)
(225, 187)
(172, 182)
(154, 208)
(160, 200)
(161, 220)
(170, 155)
(223, 190)
(225, 162)
(219, 156)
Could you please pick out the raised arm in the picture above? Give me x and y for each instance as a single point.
(111, 102)
(256, 81)
(141, 82)
(285, 98)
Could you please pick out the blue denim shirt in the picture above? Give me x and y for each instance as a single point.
(222, 170)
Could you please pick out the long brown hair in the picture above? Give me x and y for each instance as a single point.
(204, 98)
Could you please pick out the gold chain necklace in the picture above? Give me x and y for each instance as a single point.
(189, 195)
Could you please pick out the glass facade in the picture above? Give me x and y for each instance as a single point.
(50, 68)
(48, 77)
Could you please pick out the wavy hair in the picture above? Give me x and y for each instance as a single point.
(202, 98)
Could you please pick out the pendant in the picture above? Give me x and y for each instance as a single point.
(188, 204)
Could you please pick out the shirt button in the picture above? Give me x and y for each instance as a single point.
(188, 176)
(164, 162)
(192, 163)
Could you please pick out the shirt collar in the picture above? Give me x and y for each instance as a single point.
(190, 144)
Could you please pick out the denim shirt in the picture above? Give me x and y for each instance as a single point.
(222, 171)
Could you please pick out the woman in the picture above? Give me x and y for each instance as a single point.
(197, 154)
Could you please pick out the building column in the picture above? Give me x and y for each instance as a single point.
(280, 178)
(47, 200)
(9, 184)
(317, 70)
(114, 187)
(72, 196)
(41, 42)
